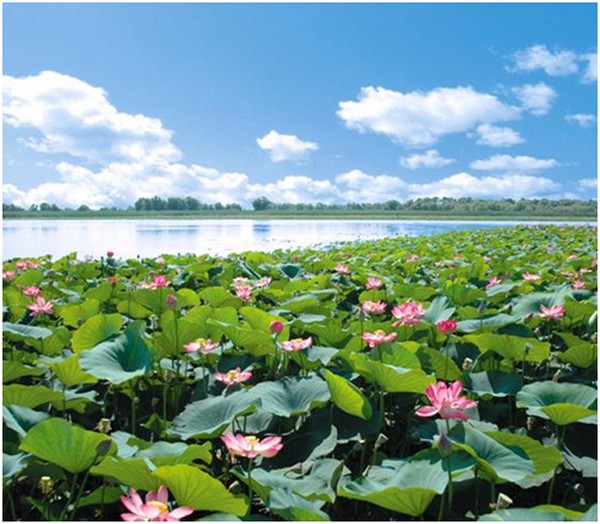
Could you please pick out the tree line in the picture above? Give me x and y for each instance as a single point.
(434, 205)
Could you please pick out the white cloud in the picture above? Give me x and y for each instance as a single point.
(507, 186)
(535, 98)
(431, 158)
(584, 120)
(77, 118)
(588, 183)
(591, 71)
(420, 118)
(558, 63)
(502, 163)
(495, 136)
(285, 147)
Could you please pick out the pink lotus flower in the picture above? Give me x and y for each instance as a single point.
(594, 262)
(412, 258)
(25, 264)
(572, 257)
(342, 269)
(250, 446)
(446, 326)
(297, 344)
(112, 280)
(578, 284)
(160, 281)
(203, 345)
(110, 254)
(552, 313)
(379, 337)
(446, 401)
(8, 275)
(244, 293)
(239, 281)
(41, 307)
(373, 308)
(155, 509)
(276, 327)
(408, 314)
(569, 274)
(492, 281)
(32, 291)
(233, 376)
(159, 260)
(373, 283)
(529, 277)
(263, 282)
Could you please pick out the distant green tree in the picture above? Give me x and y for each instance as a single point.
(262, 203)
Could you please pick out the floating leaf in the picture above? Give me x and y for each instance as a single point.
(95, 330)
(347, 396)
(63, 443)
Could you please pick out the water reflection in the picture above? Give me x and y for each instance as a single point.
(149, 238)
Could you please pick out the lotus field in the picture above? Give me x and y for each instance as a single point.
(430, 378)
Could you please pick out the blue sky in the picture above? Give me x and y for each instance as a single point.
(106, 103)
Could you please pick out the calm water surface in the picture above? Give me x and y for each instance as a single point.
(149, 238)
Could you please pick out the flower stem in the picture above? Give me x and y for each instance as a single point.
(133, 414)
(73, 486)
(250, 492)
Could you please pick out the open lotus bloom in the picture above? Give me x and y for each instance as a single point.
(408, 314)
(373, 283)
(379, 337)
(203, 345)
(446, 401)
(233, 376)
(373, 308)
(552, 313)
(41, 307)
(297, 344)
(251, 446)
(155, 509)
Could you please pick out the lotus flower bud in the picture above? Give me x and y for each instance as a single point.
(110, 254)
(276, 327)
(46, 485)
(103, 448)
(531, 422)
(444, 445)
(172, 302)
(467, 365)
(503, 502)
(104, 426)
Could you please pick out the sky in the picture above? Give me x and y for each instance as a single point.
(334, 103)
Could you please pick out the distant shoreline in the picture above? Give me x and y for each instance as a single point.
(278, 215)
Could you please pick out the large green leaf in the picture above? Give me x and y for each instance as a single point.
(21, 419)
(219, 297)
(560, 402)
(96, 329)
(292, 395)
(291, 506)
(390, 378)
(121, 359)
(13, 370)
(494, 461)
(439, 310)
(196, 489)
(25, 332)
(512, 347)
(29, 396)
(581, 355)
(496, 383)
(347, 396)
(405, 486)
(64, 444)
(208, 418)
(75, 314)
(69, 372)
(132, 472)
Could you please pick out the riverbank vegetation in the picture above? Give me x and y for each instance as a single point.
(190, 207)
(438, 378)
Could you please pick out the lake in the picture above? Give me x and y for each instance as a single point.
(149, 238)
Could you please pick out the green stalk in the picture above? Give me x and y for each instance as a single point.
(450, 487)
(476, 492)
(250, 492)
(73, 486)
(560, 434)
(442, 505)
(133, 413)
(76, 503)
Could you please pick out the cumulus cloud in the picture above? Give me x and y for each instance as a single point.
(431, 158)
(495, 136)
(588, 183)
(419, 118)
(507, 186)
(518, 164)
(285, 147)
(535, 98)
(557, 63)
(582, 119)
(77, 118)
